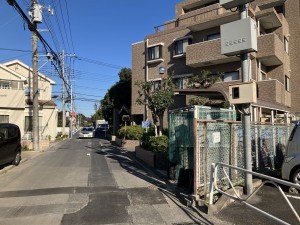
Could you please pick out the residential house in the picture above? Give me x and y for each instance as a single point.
(191, 43)
(16, 100)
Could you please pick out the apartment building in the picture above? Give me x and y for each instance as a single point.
(191, 43)
(16, 100)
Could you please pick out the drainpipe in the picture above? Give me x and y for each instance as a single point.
(146, 74)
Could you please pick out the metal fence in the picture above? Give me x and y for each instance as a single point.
(223, 142)
(181, 139)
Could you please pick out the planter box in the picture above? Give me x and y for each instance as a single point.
(129, 144)
(153, 159)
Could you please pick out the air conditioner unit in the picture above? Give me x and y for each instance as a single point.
(243, 93)
(228, 4)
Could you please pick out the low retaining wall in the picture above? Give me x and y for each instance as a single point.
(129, 144)
(42, 143)
(153, 159)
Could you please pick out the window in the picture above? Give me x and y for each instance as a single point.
(4, 119)
(5, 85)
(155, 52)
(287, 83)
(263, 72)
(230, 76)
(213, 36)
(181, 82)
(180, 46)
(156, 85)
(27, 91)
(28, 123)
(286, 45)
(263, 75)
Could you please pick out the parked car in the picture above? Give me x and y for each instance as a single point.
(86, 132)
(10, 144)
(290, 169)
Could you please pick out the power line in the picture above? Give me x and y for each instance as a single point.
(67, 8)
(93, 61)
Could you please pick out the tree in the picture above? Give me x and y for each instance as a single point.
(125, 74)
(117, 95)
(156, 100)
(203, 80)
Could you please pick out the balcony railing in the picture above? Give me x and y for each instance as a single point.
(206, 53)
(270, 50)
(203, 15)
(273, 91)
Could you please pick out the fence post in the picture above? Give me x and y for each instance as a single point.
(196, 160)
(212, 181)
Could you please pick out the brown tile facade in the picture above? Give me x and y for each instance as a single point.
(274, 66)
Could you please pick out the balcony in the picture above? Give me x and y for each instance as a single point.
(269, 19)
(270, 50)
(206, 54)
(273, 91)
(12, 98)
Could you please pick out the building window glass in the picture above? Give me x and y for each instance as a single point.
(180, 46)
(286, 45)
(155, 52)
(181, 82)
(287, 83)
(263, 75)
(230, 76)
(5, 85)
(27, 91)
(4, 119)
(156, 85)
(213, 36)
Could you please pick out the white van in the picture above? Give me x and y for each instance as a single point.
(291, 165)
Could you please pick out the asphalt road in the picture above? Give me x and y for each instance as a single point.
(268, 199)
(88, 181)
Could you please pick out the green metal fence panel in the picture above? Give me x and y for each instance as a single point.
(181, 138)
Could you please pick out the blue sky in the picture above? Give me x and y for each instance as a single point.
(99, 32)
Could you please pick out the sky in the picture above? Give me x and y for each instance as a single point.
(96, 36)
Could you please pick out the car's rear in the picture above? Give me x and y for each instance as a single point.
(86, 132)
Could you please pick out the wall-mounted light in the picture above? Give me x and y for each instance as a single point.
(161, 70)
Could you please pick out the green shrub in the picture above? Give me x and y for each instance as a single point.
(134, 132)
(158, 144)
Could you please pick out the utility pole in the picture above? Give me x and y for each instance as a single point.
(247, 112)
(63, 55)
(35, 117)
(240, 42)
(63, 92)
(71, 114)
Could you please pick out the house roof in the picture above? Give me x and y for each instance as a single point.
(16, 61)
(20, 77)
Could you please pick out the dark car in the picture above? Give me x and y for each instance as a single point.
(10, 144)
(101, 129)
